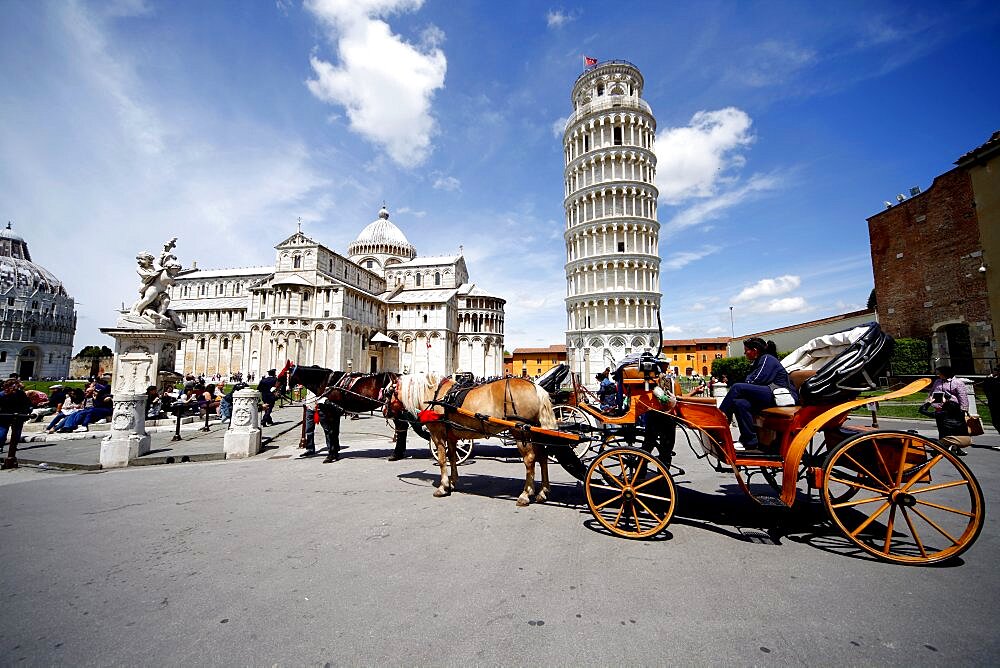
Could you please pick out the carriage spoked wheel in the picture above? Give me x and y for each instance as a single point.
(463, 450)
(574, 420)
(630, 492)
(902, 497)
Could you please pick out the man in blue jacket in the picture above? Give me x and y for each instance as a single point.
(756, 394)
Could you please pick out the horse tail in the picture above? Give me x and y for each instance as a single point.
(546, 417)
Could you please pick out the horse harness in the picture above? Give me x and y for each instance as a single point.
(455, 396)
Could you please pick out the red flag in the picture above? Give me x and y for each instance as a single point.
(589, 62)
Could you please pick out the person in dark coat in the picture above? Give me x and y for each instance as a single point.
(15, 408)
(267, 396)
(756, 394)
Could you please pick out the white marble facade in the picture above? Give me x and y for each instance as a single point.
(316, 306)
(612, 233)
(38, 317)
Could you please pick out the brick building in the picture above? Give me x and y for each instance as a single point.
(932, 257)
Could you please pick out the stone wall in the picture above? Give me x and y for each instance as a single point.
(926, 253)
(80, 367)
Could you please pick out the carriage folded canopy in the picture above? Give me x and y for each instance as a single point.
(553, 378)
(846, 363)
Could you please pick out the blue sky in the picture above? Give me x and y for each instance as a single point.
(781, 127)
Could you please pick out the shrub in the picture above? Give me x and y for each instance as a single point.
(911, 357)
(734, 368)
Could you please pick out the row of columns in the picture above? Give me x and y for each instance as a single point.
(607, 278)
(612, 314)
(596, 242)
(597, 205)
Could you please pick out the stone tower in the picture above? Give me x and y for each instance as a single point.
(612, 255)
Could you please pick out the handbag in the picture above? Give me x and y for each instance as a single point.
(782, 395)
(975, 425)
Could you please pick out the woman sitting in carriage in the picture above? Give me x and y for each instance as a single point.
(767, 376)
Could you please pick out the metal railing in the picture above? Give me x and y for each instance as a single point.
(608, 102)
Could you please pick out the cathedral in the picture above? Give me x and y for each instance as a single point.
(380, 307)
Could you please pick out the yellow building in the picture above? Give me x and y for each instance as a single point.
(532, 362)
(690, 357)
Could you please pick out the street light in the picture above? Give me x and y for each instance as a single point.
(732, 326)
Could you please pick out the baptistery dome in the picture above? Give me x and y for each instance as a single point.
(38, 319)
(381, 244)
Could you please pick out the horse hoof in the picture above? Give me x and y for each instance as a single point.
(541, 498)
(442, 492)
(523, 501)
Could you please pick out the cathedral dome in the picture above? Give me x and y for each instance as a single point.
(381, 238)
(17, 271)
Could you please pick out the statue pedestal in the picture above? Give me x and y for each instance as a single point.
(242, 440)
(144, 356)
(128, 438)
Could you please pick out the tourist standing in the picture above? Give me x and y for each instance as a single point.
(15, 408)
(267, 397)
(948, 403)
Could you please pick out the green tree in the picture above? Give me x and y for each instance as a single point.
(94, 351)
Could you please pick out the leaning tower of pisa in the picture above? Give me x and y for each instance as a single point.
(612, 258)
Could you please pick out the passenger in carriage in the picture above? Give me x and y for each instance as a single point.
(607, 392)
(745, 399)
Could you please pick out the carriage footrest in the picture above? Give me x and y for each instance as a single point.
(770, 501)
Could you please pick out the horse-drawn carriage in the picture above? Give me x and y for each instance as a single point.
(894, 494)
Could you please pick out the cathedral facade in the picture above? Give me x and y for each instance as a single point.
(380, 307)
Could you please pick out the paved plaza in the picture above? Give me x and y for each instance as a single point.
(283, 561)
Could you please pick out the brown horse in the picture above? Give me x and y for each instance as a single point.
(344, 392)
(515, 399)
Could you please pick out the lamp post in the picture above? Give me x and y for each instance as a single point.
(732, 326)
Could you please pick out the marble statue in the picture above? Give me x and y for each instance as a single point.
(157, 276)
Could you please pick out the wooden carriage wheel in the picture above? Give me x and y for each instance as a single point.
(463, 450)
(913, 501)
(630, 492)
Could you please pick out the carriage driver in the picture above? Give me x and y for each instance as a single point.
(757, 393)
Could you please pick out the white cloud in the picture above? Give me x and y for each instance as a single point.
(692, 161)
(711, 209)
(559, 127)
(697, 307)
(785, 305)
(672, 329)
(449, 183)
(384, 83)
(412, 212)
(716, 330)
(768, 287)
(771, 63)
(557, 18)
(683, 258)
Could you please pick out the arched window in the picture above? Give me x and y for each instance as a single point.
(201, 344)
(417, 279)
(225, 344)
(437, 278)
(297, 262)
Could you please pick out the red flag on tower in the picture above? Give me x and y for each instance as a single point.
(589, 62)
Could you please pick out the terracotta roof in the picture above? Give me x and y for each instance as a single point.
(832, 318)
(557, 348)
(722, 340)
(992, 144)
